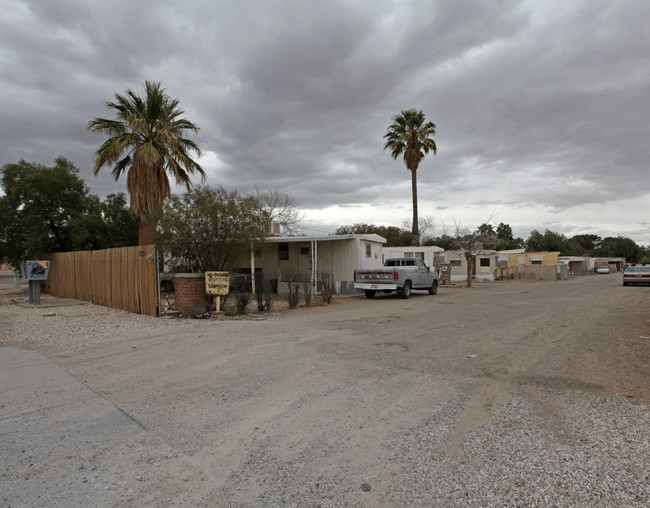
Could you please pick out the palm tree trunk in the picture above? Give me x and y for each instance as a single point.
(144, 232)
(415, 229)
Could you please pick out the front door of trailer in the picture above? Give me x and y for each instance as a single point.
(304, 258)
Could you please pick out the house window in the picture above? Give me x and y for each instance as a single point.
(304, 251)
(283, 251)
(418, 255)
(535, 261)
(485, 261)
(455, 262)
(368, 250)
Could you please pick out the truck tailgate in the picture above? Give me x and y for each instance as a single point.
(375, 279)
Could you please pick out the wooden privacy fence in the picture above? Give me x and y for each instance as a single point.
(125, 278)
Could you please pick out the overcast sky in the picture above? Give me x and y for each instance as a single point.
(542, 107)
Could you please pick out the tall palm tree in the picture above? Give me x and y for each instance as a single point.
(411, 136)
(147, 142)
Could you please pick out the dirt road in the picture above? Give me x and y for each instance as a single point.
(502, 394)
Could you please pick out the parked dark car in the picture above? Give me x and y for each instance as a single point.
(636, 274)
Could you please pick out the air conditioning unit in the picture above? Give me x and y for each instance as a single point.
(274, 228)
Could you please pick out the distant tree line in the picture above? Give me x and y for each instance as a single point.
(502, 238)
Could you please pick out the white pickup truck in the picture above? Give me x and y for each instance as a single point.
(398, 274)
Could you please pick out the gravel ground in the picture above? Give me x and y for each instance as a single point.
(333, 413)
(83, 324)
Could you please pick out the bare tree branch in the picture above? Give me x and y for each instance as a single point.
(280, 207)
(426, 226)
(472, 242)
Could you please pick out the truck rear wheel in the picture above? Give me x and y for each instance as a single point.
(434, 288)
(406, 290)
(370, 293)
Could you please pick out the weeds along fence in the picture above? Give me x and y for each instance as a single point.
(124, 278)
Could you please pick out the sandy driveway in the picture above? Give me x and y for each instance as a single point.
(503, 394)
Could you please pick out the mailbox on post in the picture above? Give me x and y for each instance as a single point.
(34, 272)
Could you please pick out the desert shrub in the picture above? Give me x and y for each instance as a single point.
(240, 288)
(293, 288)
(229, 309)
(265, 291)
(306, 291)
(241, 302)
(327, 287)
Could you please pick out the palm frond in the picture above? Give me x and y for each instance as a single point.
(146, 141)
(410, 137)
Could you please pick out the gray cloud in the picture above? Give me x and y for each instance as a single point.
(541, 108)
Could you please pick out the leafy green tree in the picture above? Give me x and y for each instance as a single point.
(645, 255)
(48, 209)
(395, 237)
(147, 141)
(505, 239)
(107, 224)
(535, 242)
(504, 232)
(209, 229)
(88, 231)
(121, 227)
(548, 242)
(486, 230)
(443, 241)
(584, 245)
(501, 239)
(411, 135)
(619, 246)
(39, 209)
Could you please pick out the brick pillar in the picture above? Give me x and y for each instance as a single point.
(189, 293)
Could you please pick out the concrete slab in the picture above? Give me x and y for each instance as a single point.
(63, 445)
(7, 279)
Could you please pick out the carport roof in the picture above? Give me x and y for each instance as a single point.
(328, 238)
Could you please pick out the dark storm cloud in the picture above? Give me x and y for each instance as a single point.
(537, 104)
(566, 99)
(324, 91)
